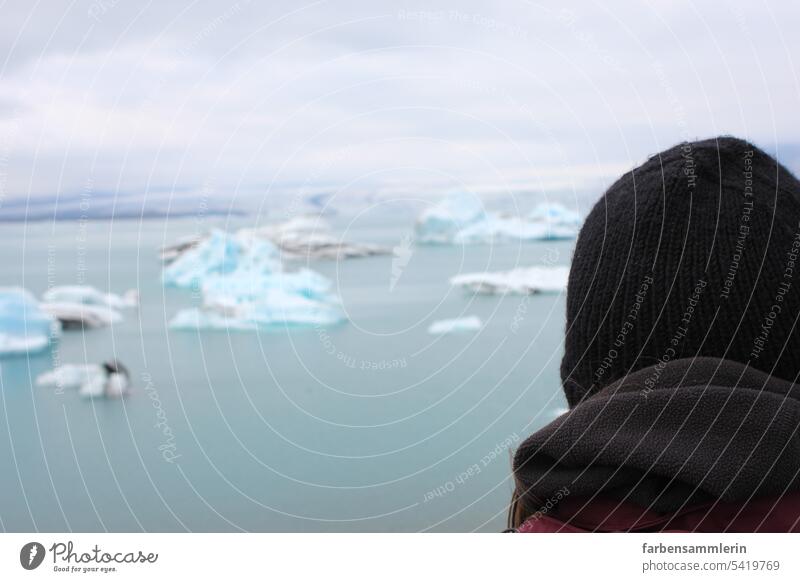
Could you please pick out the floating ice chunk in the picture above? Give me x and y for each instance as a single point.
(462, 219)
(308, 237)
(442, 223)
(444, 326)
(522, 281)
(495, 228)
(217, 254)
(82, 316)
(325, 246)
(110, 379)
(90, 296)
(70, 376)
(24, 327)
(252, 291)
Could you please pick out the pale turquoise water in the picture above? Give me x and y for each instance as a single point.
(291, 430)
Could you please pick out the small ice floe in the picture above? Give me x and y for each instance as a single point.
(24, 327)
(307, 237)
(462, 219)
(461, 324)
(82, 316)
(245, 287)
(110, 379)
(521, 281)
(88, 295)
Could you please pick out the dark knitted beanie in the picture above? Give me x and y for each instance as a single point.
(694, 253)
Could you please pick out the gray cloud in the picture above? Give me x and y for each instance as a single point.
(546, 96)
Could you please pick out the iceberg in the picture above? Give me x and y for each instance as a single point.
(249, 302)
(307, 237)
(215, 255)
(252, 290)
(70, 376)
(461, 324)
(87, 295)
(81, 315)
(461, 219)
(110, 379)
(521, 281)
(498, 228)
(24, 327)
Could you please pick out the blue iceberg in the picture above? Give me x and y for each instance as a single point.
(462, 219)
(245, 287)
(24, 327)
(217, 254)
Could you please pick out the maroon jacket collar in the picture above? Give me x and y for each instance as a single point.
(766, 514)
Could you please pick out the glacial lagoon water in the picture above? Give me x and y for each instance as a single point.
(373, 425)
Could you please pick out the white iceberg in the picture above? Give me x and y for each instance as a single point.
(88, 295)
(81, 315)
(110, 379)
(461, 324)
(73, 376)
(500, 228)
(24, 327)
(307, 237)
(462, 219)
(253, 290)
(521, 281)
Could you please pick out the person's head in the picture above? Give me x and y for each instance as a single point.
(694, 253)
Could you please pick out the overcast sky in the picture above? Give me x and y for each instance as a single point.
(251, 97)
